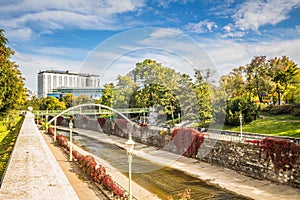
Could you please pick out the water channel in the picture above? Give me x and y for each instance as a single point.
(163, 181)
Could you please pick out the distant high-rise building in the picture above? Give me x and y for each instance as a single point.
(52, 80)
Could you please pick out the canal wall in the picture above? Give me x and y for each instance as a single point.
(252, 160)
(249, 158)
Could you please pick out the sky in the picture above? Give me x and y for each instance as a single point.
(109, 37)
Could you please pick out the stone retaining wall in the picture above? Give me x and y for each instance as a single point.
(245, 158)
(248, 159)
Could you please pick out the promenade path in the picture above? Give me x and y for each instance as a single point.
(33, 172)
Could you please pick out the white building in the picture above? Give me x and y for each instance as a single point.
(50, 80)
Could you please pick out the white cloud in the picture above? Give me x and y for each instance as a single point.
(202, 26)
(227, 54)
(256, 13)
(164, 33)
(47, 15)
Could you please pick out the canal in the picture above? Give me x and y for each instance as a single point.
(163, 181)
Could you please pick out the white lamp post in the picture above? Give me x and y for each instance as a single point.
(55, 129)
(46, 120)
(241, 126)
(130, 146)
(71, 126)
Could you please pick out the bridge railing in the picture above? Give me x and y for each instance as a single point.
(90, 111)
(236, 136)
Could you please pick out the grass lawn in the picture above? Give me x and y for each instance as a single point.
(7, 141)
(279, 125)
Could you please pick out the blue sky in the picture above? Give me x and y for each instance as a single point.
(108, 37)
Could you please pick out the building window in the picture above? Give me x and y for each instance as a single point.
(54, 82)
(65, 81)
(60, 81)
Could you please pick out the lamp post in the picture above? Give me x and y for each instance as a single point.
(241, 126)
(130, 146)
(71, 127)
(55, 129)
(46, 120)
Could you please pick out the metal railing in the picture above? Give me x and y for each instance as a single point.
(235, 136)
(90, 111)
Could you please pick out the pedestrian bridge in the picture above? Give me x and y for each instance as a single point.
(90, 111)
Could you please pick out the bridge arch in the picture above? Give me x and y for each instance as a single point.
(90, 104)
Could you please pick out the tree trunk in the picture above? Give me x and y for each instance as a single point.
(260, 97)
(279, 98)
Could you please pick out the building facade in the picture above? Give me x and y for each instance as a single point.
(51, 81)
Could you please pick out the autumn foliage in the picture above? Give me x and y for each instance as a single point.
(90, 167)
(187, 141)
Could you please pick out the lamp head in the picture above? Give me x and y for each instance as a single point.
(71, 124)
(130, 145)
(30, 108)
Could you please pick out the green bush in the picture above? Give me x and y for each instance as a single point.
(281, 109)
(237, 106)
(296, 110)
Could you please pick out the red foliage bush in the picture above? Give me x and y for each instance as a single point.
(283, 153)
(89, 166)
(101, 122)
(50, 131)
(59, 120)
(187, 141)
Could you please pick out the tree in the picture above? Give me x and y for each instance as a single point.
(282, 72)
(203, 92)
(292, 94)
(125, 88)
(12, 89)
(51, 103)
(233, 83)
(240, 105)
(258, 77)
(69, 100)
(82, 99)
(108, 95)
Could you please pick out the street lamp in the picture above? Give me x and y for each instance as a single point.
(55, 129)
(130, 146)
(241, 125)
(71, 126)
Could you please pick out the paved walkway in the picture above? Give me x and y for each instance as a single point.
(33, 172)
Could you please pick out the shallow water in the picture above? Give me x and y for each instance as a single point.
(162, 181)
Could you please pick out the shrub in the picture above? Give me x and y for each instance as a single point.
(281, 109)
(237, 106)
(187, 141)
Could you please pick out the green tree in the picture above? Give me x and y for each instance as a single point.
(258, 77)
(12, 89)
(69, 100)
(51, 103)
(292, 94)
(34, 103)
(82, 99)
(233, 83)
(124, 90)
(282, 71)
(240, 105)
(203, 94)
(108, 95)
